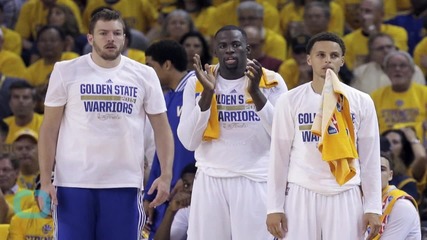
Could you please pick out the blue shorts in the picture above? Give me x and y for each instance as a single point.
(95, 214)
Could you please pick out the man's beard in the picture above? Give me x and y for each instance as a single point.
(106, 55)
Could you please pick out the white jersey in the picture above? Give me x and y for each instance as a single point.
(296, 159)
(101, 137)
(403, 222)
(179, 225)
(243, 146)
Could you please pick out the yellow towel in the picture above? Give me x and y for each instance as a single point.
(334, 125)
(212, 130)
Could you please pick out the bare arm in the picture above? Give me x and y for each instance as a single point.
(48, 138)
(418, 166)
(165, 151)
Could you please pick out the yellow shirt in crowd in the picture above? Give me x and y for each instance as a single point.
(12, 65)
(13, 128)
(23, 227)
(421, 51)
(401, 109)
(11, 40)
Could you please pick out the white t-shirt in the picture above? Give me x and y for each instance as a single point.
(180, 224)
(101, 137)
(403, 222)
(243, 148)
(296, 159)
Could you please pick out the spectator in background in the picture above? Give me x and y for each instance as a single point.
(295, 70)
(175, 25)
(61, 16)
(231, 16)
(25, 150)
(251, 13)
(256, 44)
(317, 16)
(410, 161)
(33, 16)
(140, 15)
(292, 15)
(195, 43)
(11, 64)
(5, 83)
(202, 12)
(11, 40)
(19, 199)
(402, 104)
(11, 10)
(32, 223)
(51, 44)
(371, 16)
(22, 102)
(371, 76)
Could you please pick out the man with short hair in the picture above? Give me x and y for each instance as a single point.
(93, 131)
(371, 76)
(400, 219)
(315, 184)
(22, 101)
(25, 150)
(226, 119)
(169, 60)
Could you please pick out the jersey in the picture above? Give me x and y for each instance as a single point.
(182, 156)
(400, 109)
(33, 16)
(104, 119)
(24, 227)
(34, 125)
(179, 225)
(357, 44)
(419, 52)
(296, 159)
(243, 146)
(400, 218)
(39, 71)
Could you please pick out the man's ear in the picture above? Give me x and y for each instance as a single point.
(308, 60)
(248, 49)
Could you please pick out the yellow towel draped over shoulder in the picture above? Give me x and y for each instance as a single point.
(212, 130)
(333, 123)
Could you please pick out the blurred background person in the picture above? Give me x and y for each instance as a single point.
(195, 43)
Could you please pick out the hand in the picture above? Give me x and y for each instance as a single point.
(149, 212)
(179, 186)
(254, 73)
(180, 200)
(277, 224)
(372, 221)
(46, 195)
(206, 78)
(409, 133)
(162, 185)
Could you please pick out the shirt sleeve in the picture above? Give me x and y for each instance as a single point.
(368, 144)
(193, 121)
(281, 144)
(180, 224)
(56, 93)
(154, 101)
(402, 222)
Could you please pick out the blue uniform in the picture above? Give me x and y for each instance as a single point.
(182, 156)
